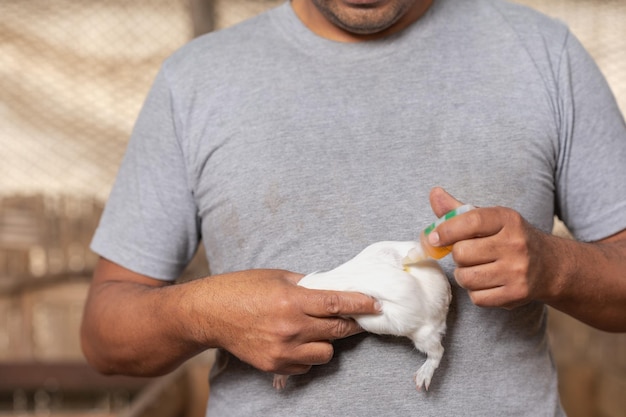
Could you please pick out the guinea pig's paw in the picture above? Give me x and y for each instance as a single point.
(280, 381)
(424, 375)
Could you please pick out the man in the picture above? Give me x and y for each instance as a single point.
(292, 141)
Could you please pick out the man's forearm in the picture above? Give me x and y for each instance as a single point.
(137, 325)
(589, 282)
(136, 329)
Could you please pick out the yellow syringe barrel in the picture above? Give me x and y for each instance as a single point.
(438, 252)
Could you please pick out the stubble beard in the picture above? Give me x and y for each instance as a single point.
(363, 20)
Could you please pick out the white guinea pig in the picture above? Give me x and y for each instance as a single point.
(413, 291)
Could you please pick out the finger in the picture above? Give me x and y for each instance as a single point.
(330, 328)
(293, 369)
(477, 251)
(478, 278)
(496, 297)
(480, 222)
(442, 202)
(488, 287)
(313, 353)
(304, 356)
(324, 303)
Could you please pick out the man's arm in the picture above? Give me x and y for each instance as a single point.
(505, 262)
(590, 284)
(137, 325)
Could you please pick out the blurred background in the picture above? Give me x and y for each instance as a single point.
(73, 76)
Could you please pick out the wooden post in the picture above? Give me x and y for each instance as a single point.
(202, 16)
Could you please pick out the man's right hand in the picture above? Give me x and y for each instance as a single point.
(137, 325)
(266, 320)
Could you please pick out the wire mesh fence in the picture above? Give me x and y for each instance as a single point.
(72, 79)
(73, 75)
(601, 27)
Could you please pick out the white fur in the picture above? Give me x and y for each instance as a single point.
(413, 291)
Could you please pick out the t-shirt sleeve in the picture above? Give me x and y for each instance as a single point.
(591, 173)
(150, 223)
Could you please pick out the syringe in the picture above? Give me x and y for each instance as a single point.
(435, 252)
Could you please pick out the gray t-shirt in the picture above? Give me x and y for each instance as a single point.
(280, 149)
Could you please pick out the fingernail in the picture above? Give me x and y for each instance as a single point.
(433, 238)
(378, 306)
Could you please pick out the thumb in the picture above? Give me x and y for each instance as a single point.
(442, 202)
